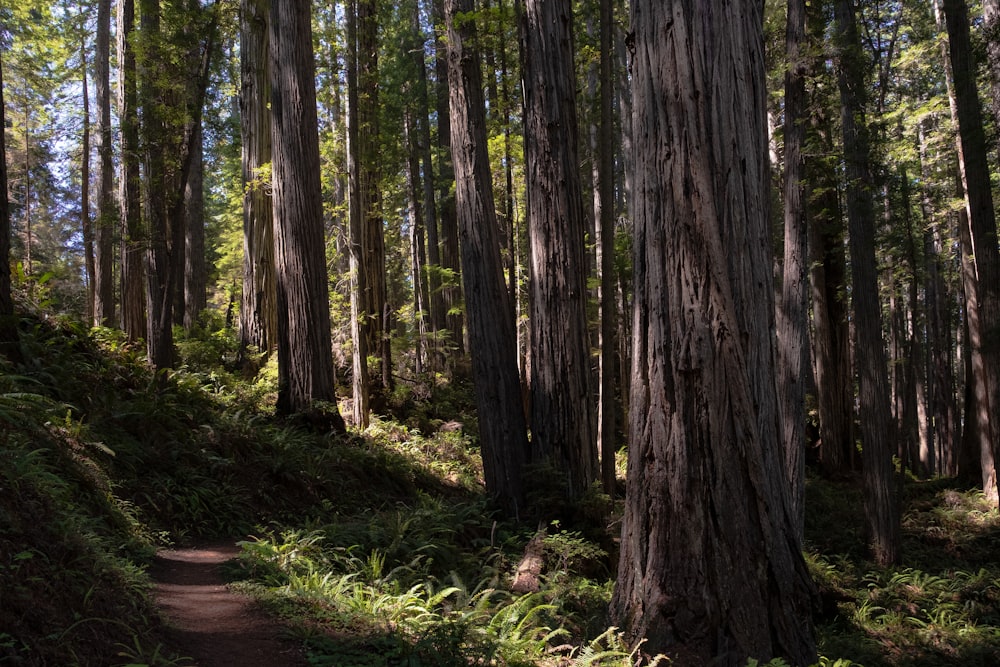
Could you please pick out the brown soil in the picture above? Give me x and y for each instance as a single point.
(210, 624)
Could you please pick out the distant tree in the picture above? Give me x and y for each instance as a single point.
(502, 428)
(305, 358)
(563, 419)
(6, 301)
(881, 512)
(710, 569)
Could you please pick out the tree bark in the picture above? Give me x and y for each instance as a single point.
(975, 170)
(563, 419)
(195, 268)
(133, 299)
(607, 406)
(305, 357)
(357, 202)
(704, 578)
(502, 428)
(258, 311)
(8, 331)
(86, 223)
(792, 323)
(104, 229)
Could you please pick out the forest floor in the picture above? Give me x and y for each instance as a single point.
(207, 623)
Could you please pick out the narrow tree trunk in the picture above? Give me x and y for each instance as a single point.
(706, 579)
(502, 428)
(881, 512)
(563, 419)
(195, 268)
(607, 406)
(357, 202)
(86, 223)
(418, 254)
(104, 230)
(8, 331)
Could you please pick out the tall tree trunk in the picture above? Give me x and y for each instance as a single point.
(104, 229)
(975, 171)
(258, 310)
(357, 202)
(563, 419)
(604, 204)
(305, 356)
(8, 331)
(450, 260)
(133, 295)
(828, 277)
(422, 137)
(706, 579)
(418, 253)
(502, 428)
(86, 223)
(159, 293)
(881, 511)
(940, 376)
(195, 269)
(792, 323)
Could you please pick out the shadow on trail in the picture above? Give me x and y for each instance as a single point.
(209, 624)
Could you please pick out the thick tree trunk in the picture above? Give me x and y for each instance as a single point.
(305, 357)
(704, 578)
(792, 323)
(104, 229)
(418, 253)
(975, 171)
(502, 429)
(563, 419)
(258, 310)
(133, 295)
(159, 285)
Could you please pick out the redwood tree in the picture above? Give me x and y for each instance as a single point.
(305, 357)
(563, 419)
(258, 312)
(492, 341)
(710, 568)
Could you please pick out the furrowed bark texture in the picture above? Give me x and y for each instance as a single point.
(305, 358)
(710, 570)
(492, 341)
(563, 413)
(258, 312)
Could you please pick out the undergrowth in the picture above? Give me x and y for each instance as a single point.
(379, 547)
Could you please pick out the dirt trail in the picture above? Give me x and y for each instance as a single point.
(209, 623)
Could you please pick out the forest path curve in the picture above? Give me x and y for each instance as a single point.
(207, 622)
